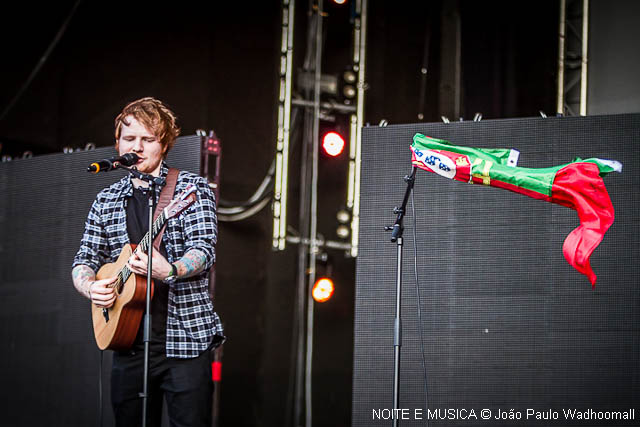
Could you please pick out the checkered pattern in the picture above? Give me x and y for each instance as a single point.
(192, 324)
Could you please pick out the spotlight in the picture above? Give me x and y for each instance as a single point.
(342, 231)
(349, 91)
(339, 1)
(333, 143)
(349, 76)
(343, 216)
(322, 289)
(349, 79)
(212, 145)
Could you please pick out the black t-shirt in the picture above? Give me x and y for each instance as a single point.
(137, 226)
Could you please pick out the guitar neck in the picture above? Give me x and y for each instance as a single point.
(151, 235)
(125, 273)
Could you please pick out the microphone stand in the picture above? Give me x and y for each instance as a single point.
(153, 181)
(396, 236)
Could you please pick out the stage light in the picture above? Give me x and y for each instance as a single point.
(349, 91)
(343, 216)
(322, 289)
(333, 143)
(342, 231)
(349, 76)
(339, 1)
(212, 144)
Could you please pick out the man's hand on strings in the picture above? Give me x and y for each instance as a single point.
(102, 293)
(161, 267)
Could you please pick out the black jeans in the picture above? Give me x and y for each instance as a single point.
(185, 384)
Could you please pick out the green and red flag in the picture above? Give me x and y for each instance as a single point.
(577, 185)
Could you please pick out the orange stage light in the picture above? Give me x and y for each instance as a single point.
(322, 289)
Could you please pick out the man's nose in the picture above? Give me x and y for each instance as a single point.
(137, 145)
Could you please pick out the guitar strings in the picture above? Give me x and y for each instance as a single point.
(125, 272)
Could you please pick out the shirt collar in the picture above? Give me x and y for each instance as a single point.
(127, 185)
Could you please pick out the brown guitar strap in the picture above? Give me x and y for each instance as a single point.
(166, 195)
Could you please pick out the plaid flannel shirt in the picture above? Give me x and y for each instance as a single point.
(192, 323)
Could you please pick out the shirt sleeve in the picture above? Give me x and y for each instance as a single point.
(201, 224)
(94, 247)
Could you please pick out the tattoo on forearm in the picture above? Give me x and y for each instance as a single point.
(192, 263)
(82, 276)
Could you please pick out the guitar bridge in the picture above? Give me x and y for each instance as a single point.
(105, 313)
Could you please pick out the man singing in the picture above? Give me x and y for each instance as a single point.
(184, 325)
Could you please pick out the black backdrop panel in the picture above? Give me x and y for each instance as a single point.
(50, 363)
(507, 323)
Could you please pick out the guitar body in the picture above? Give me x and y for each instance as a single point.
(116, 327)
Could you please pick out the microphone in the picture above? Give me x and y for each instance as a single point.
(105, 165)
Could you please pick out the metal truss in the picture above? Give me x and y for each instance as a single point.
(309, 242)
(573, 46)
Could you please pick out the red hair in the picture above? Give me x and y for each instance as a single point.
(153, 115)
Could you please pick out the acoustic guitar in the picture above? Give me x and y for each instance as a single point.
(116, 327)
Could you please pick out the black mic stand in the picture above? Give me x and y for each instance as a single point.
(396, 236)
(153, 181)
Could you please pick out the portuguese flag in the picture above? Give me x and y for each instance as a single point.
(577, 185)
